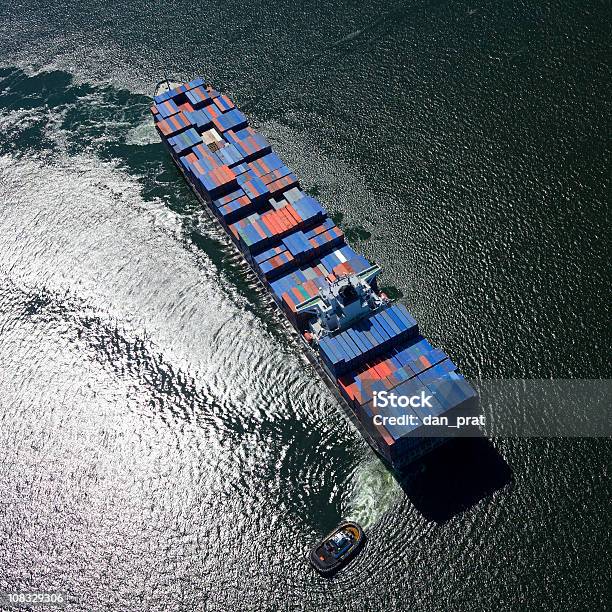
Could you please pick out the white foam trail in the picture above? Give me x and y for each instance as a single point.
(142, 134)
(375, 491)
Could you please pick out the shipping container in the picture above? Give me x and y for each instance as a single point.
(360, 346)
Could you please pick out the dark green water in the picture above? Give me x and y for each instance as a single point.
(163, 445)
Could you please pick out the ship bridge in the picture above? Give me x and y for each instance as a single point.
(342, 303)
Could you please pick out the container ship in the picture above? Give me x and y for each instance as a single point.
(364, 345)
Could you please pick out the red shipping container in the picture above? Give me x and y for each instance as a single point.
(186, 107)
(282, 221)
(289, 208)
(271, 224)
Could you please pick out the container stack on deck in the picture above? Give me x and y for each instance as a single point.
(296, 250)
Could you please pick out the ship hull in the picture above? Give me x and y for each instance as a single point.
(398, 466)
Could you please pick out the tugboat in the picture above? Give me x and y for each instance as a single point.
(337, 549)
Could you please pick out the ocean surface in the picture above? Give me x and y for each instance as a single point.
(163, 443)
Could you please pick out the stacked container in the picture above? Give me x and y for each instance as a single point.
(296, 250)
(369, 337)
